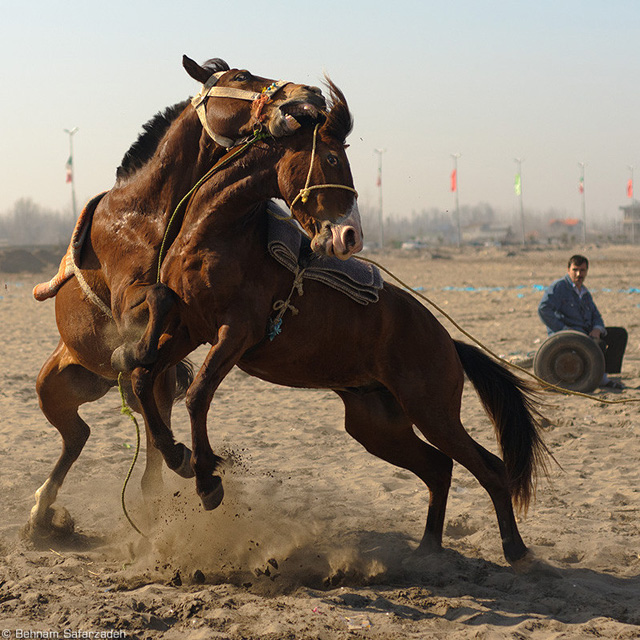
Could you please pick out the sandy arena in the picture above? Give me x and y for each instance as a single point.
(314, 538)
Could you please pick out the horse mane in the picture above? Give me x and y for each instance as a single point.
(142, 150)
(339, 122)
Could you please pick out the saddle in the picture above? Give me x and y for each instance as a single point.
(286, 243)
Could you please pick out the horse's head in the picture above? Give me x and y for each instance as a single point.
(315, 180)
(233, 102)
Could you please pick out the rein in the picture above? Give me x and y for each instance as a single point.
(303, 195)
(223, 162)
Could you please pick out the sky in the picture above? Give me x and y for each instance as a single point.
(553, 83)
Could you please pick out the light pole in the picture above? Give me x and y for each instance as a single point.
(380, 216)
(71, 133)
(454, 188)
(582, 165)
(518, 190)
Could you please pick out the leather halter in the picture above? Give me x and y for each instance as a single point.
(210, 90)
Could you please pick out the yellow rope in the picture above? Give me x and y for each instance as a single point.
(126, 410)
(223, 162)
(542, 382)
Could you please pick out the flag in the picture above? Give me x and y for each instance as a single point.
(379, 179)
(581, 185)
(517, 185)
(454, 180)
(69, 168)
(630, 188)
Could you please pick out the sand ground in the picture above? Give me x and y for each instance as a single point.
(315, 536)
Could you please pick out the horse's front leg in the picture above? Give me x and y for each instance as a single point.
(155, 389)
(222, 357)
(142, 320)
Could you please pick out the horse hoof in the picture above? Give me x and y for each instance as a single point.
(185, 470)
(428, 546)
(56, 522)
(213, 498)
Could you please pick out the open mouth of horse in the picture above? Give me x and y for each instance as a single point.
(300, 113)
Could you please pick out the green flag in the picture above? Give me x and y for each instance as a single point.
(517, 185)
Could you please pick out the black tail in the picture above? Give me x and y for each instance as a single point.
(508, 401)
(184, 378)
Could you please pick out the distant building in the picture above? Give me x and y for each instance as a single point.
(631, 221)
(569, 228)
(482, 233)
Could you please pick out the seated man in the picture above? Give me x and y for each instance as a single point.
(567, 304)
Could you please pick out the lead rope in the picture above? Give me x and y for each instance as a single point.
(223, 162)
(542, 382)
(126, 410)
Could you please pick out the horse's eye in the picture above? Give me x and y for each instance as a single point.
(332, 159)
(241, 77)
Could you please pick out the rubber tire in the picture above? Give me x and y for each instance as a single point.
(571, 360)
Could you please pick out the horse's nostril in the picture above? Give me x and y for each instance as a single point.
(349, 238)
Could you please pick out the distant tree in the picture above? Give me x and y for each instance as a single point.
(27, 223)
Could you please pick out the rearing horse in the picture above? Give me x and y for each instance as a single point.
(119, 260)
(392, 363)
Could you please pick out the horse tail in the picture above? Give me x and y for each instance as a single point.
(509, 402)
(184, 378)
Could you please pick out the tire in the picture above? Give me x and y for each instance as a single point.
(571, 360)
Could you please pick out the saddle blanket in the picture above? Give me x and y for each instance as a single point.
(359, 280)
(49, 289)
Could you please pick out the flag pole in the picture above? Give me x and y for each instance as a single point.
(71, 133)
(582, 165)
(380, 215)
(454, 188)
(633, 208)
(518, 186)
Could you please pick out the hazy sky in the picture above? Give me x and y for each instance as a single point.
(552, 82)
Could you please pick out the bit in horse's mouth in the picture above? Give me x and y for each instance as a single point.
(303, 113)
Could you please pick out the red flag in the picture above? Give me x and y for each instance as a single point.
(379, 180)
(581, 185)
(454, 180)
(630, 189)
(69, 169)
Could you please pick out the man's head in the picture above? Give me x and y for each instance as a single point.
(577, 268)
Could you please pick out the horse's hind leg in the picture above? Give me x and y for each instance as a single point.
(447, 433)
(376, 420)
(62, 386)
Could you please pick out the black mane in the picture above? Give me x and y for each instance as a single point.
(142, 150)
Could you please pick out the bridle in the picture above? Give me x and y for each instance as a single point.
(210, 90)
(303, 194)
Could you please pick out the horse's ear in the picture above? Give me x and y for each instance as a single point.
(202, 73)
(195, 70)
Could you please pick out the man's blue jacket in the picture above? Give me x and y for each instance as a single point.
(562, 308)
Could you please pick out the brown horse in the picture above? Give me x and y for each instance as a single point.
(122, 251)
(392, 363)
